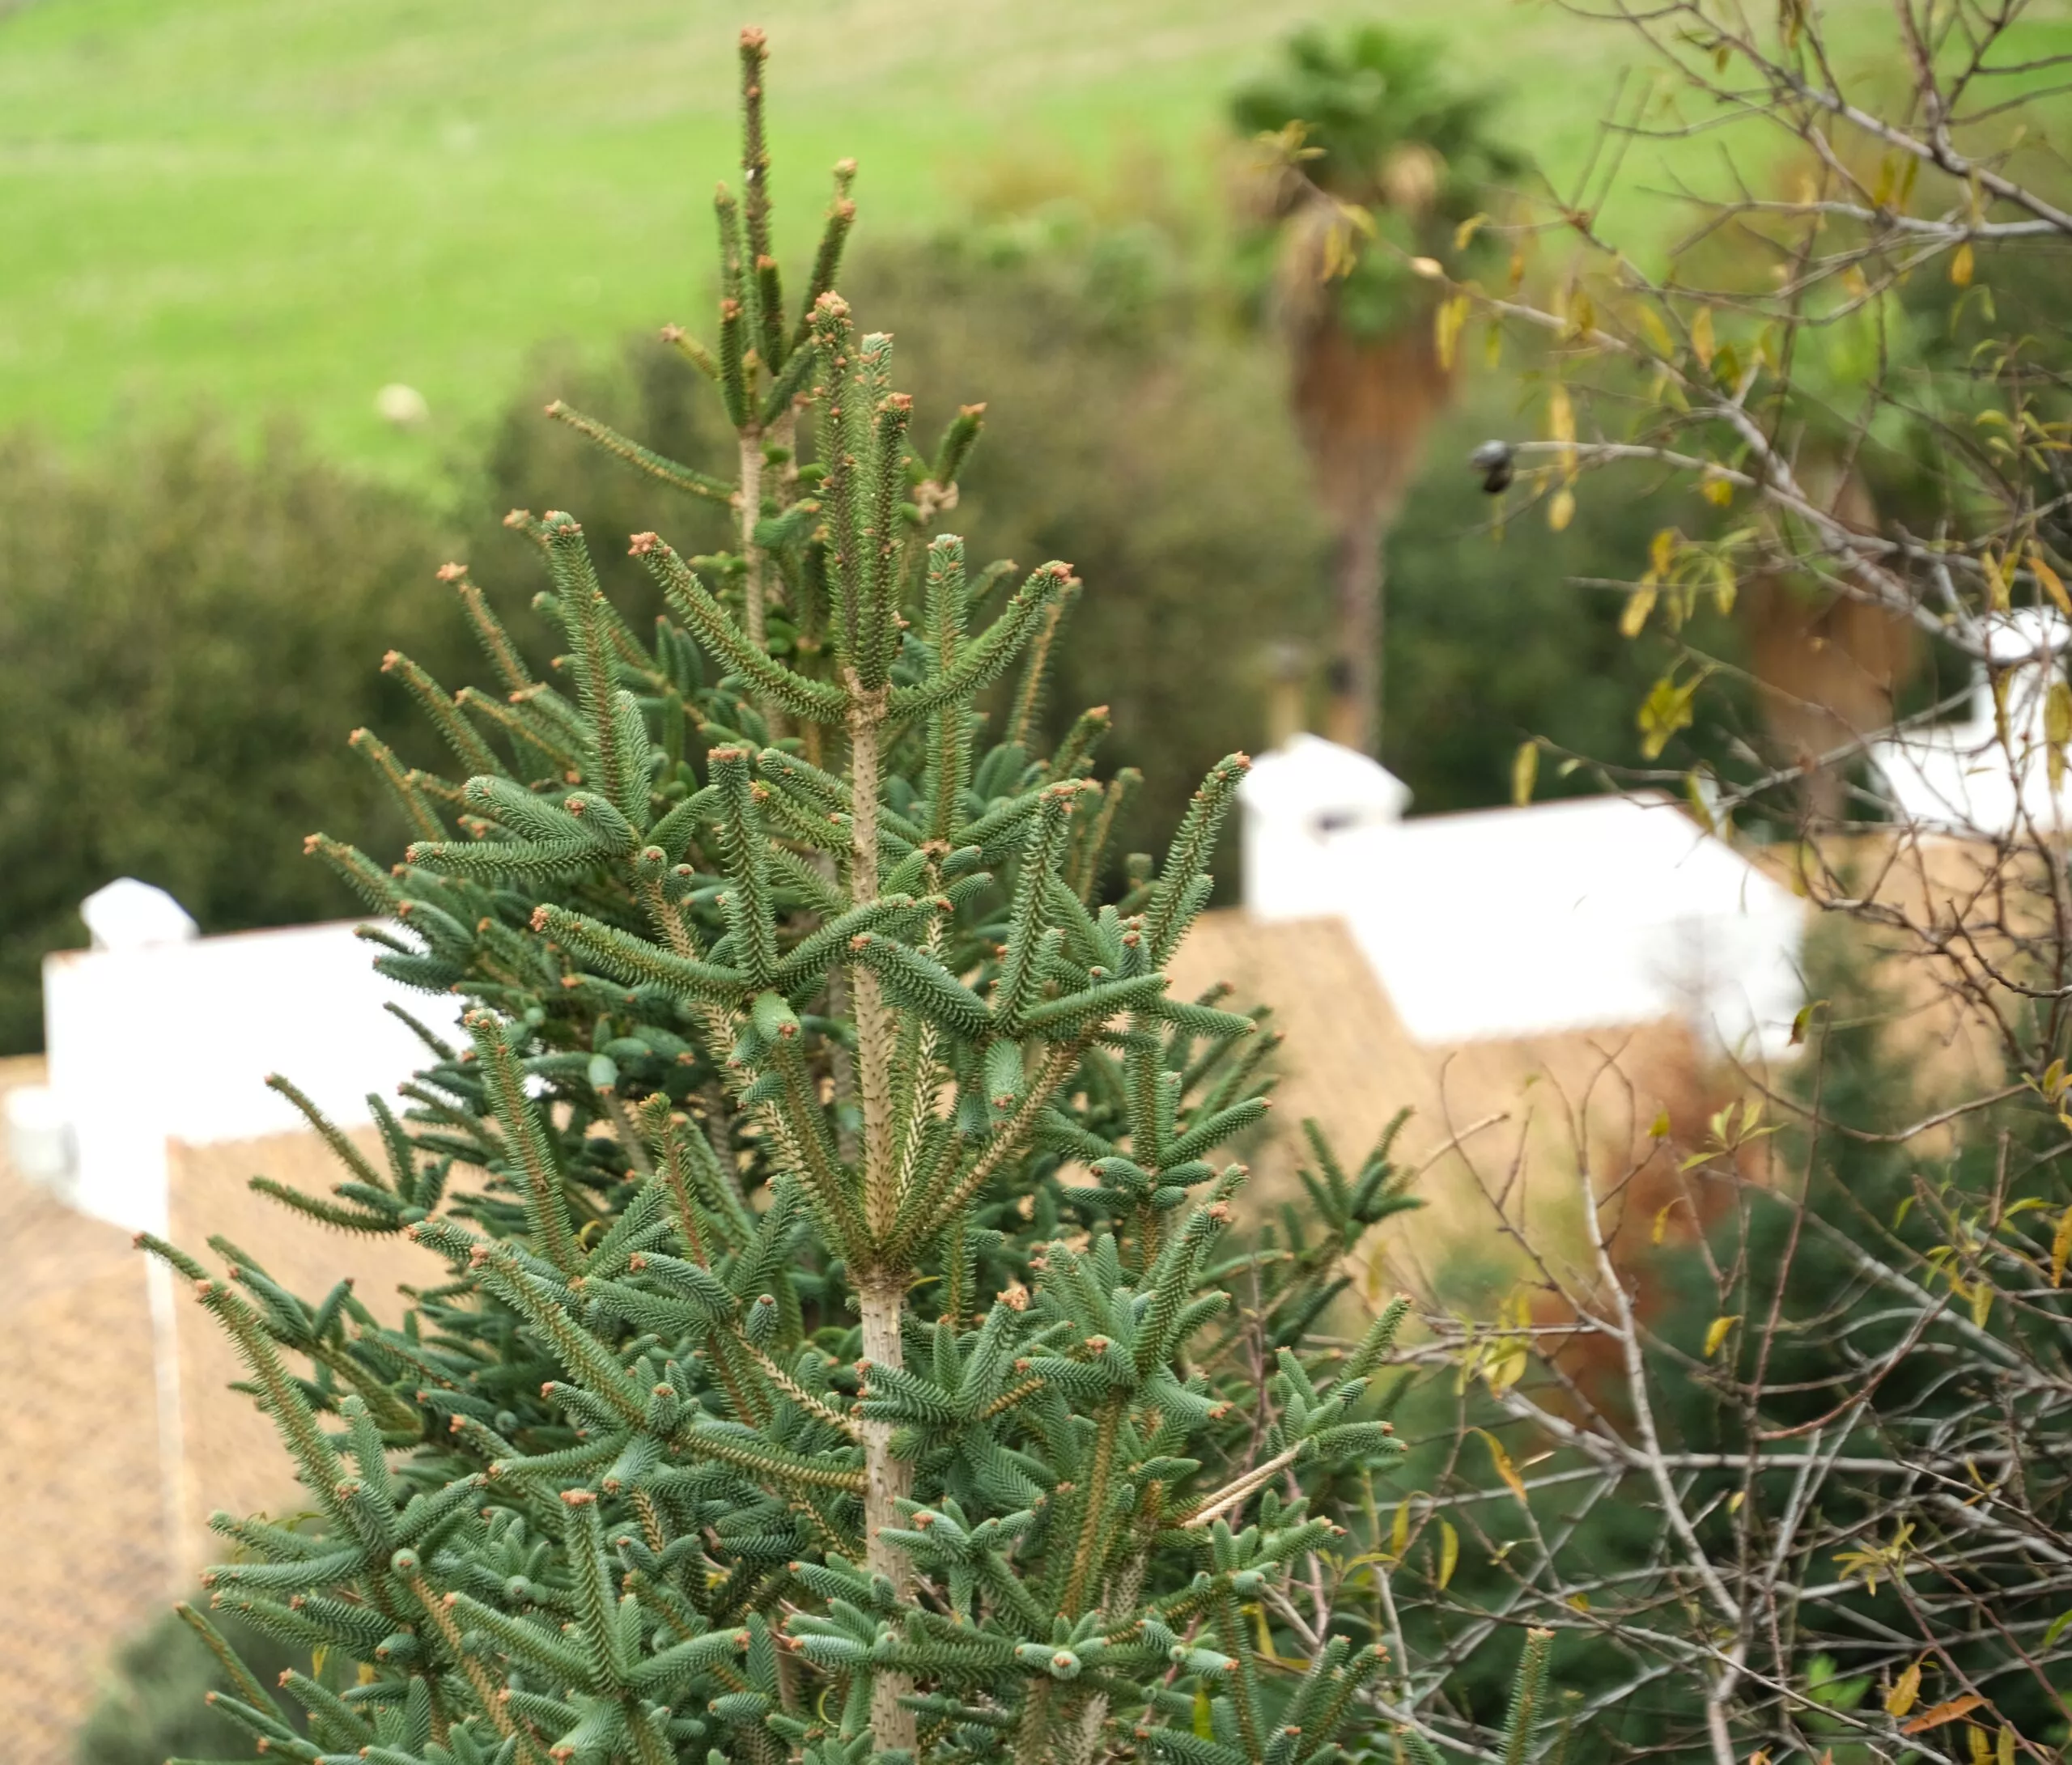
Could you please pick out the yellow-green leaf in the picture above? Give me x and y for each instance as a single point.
(1658, 332)
(1506, 1369)
(1996, 580)
(1701, 337)
(1446, 322)
(1265, 1636)
(1666, 710)
(1961, 265)
(1905, 1692)
(2060, 1252)
(1716, 1333)
(2057, 713)
(1525, 772)
(2057, 1627)
(1942, 1713)
(1400, 1533)
(1466, 230)
(1694, 794)
(1658, 1129)
(1582, 315)
(1560, 414)
(1639, 604)
(1502, 1460)
(1561, 510)
(1724, 586)
(1204, 1714)
(1449, 1551)
(2054, 585)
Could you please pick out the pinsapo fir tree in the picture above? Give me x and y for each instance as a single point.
(838, 1346)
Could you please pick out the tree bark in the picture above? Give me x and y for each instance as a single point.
(1354, 715)
(887, 1482)
(881, 1293)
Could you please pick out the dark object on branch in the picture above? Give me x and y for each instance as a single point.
(1492, 459)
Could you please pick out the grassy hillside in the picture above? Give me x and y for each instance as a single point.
(282, 205)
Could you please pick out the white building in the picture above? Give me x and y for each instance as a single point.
(1959, 778)
(1589, 912)
(157, 1033)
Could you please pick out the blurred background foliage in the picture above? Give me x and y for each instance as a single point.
(185, 598)
(189, 628)
(188, 631)
(156, 1701)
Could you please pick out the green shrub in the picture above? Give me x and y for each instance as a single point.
(186, 636)
(153, 1706)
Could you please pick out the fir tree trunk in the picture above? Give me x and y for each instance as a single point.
(750, 497)
(881, 1294)
(887, 1482)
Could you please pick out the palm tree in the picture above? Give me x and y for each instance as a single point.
(1383, 162)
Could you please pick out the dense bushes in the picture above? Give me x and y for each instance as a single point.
(155, 1703)
(187, 636)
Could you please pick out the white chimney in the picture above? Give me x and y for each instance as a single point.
(1299, 803)
(131, 915)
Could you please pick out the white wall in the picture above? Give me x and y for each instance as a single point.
(1586, 914)
(176, 1041)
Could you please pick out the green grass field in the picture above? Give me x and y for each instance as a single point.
(276, 206)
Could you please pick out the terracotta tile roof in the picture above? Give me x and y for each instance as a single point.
(95, 1552)
(104, 1529)
(234, 1458)
(1521, 1107)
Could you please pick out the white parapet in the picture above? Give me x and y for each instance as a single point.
(173, 1038)
(1585, 914)
(1996, 773)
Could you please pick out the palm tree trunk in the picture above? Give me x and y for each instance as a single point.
(1354, 719)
